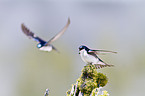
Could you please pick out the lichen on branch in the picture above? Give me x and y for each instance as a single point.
(89, 80)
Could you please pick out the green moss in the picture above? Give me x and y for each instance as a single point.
(101, 79)
(89, 80)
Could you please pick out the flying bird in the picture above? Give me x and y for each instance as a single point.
(90, 56)
(42, 44)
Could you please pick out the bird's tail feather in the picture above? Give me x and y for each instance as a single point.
(55, 49)
(98, 66)
(102, 64)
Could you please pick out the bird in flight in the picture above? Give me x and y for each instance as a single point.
(90, 56)
(42, 44)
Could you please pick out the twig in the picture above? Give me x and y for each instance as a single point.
(76, 88)
(46, 92)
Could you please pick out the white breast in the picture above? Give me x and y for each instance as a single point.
(46, 48)
(88, 58)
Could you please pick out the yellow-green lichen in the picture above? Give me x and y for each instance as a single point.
(89, 80)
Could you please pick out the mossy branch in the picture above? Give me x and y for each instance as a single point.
(90, 83)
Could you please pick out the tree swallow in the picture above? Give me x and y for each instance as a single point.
(42, 44)
(89, 56)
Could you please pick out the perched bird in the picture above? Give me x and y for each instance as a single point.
(42, 44)
(89, 56)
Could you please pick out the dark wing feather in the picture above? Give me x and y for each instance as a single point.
(99, 65)
(92, 53)
(101, 51)
(31, 35)
(60, 33)
(95, 55)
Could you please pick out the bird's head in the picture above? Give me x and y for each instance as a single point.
(83, 47)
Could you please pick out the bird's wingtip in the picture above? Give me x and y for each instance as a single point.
(22, 24)
(115, 52)
(68, 20)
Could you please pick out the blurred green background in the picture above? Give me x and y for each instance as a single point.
(117, 25)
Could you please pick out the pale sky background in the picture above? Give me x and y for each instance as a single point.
(117, 25)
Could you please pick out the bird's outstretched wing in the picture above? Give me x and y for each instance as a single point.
(60, 33)
(100, 63)
(100, 52)
(31, 35)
